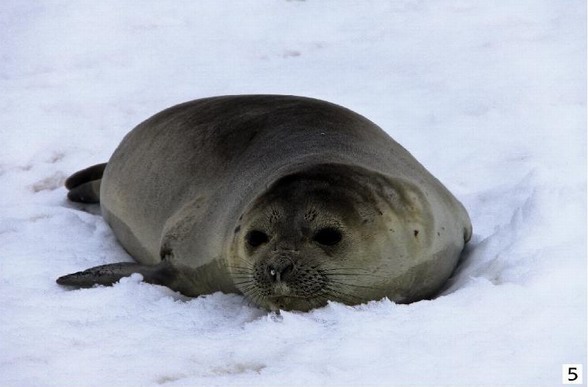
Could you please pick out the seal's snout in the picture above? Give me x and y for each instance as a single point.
(279, 269)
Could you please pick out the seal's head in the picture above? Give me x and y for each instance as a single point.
(327, 233)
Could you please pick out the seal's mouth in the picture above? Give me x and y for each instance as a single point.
(281, 289)
(283, 282)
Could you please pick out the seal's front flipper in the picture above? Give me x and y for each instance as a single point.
(161, 274)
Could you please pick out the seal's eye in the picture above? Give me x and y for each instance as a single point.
(256, 238)
(328, 236)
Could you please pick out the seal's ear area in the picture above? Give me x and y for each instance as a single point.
(400, 201)
(392, 196)
(402, 196)
(107, 275)
(408, 202)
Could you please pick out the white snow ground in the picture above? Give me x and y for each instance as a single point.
(489, 96)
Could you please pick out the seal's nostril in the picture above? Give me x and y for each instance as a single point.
(279, 270)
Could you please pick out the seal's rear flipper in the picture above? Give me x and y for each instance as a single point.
(86, 193)
(161, 274)
(84, 185)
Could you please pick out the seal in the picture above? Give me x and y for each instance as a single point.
(290, 201)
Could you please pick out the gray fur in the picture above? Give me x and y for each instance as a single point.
(179, 184)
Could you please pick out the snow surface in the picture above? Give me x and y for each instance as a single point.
(489, 96)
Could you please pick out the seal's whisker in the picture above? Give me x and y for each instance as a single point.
(257, 297)
(241, 268)
(334, 274)
(244, 283)
(240, 271)
(348, 269)
(244, 275)
(357, 286)
(354, 269)
(345, 297)
(250, 283)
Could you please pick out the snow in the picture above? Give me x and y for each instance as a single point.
(489, 96)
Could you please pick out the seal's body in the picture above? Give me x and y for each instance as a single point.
(291, 201)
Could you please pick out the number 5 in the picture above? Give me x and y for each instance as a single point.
(572, 374)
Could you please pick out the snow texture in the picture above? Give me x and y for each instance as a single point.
(489, 96)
